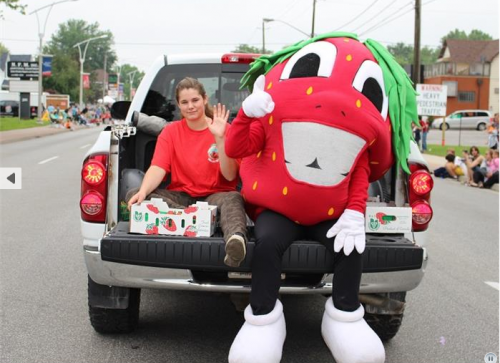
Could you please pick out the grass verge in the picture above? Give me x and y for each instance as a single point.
(14, 123)
(439, 150)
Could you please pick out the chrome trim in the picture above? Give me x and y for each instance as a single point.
(116, 274)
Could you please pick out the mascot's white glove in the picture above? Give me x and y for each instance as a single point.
(350, 232)
(259, 103)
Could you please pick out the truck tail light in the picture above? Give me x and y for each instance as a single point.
(421, 213)
(419, 194)
(245, 58)
(94, 188)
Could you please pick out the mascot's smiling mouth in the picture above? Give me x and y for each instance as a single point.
(319, 154)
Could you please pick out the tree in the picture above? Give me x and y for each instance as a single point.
(403, 53)
(66, 63)
(13, 5)
(474, 34)
(3, 49)
(245, 48)
(126, 69)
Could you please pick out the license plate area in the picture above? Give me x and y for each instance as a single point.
(246, 276)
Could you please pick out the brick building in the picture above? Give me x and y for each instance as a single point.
(470, 70)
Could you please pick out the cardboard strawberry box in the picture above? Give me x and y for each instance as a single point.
(156, 217)
(382, 219)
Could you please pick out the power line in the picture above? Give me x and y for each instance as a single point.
(384, 22)
(357, 16)
(373, 17)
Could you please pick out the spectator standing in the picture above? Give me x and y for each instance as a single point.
(416, 133)
(425, 131)
(493, 133)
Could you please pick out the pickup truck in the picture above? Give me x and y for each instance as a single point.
(120, 264)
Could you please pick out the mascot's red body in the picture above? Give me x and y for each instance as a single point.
(327, 137)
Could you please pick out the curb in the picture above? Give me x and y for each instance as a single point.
(10, 136)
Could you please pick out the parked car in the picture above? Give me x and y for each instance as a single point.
(465, 119)
(120, 264)
(9, 108)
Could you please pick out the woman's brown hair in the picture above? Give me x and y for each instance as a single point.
(193, 83)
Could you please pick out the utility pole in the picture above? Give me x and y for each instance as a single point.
(104, 77)
(263, 37)
(416, 46)
(314, 15)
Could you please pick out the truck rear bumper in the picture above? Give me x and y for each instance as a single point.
(118, 274)
(390, 264)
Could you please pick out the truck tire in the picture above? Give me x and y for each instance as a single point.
(386, 326)
(446, 126)
(481, 127)
(116, 321)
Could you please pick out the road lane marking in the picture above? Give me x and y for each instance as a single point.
(84, 146)
(492, 284)
(47, 160)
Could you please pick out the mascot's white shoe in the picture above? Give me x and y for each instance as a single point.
(261, 338)
(349, 337)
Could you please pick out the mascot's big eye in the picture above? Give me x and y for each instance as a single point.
(370, 82)
(314, 60)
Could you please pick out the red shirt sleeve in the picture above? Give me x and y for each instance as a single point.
(245, 136)
(358, 185)
(162, 156)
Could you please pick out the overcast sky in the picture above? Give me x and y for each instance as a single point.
(145, 29)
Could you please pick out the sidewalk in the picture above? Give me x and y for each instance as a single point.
(434, 161)
(32, 133)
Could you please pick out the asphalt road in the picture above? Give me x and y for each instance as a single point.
(451, 317)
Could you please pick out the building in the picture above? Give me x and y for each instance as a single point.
(470, 70)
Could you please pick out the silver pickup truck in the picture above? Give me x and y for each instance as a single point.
(120, 264)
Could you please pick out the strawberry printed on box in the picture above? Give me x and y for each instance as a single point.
(156, 217)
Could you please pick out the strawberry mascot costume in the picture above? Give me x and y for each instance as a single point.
(326, 117)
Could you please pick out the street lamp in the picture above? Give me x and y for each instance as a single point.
(267, 20)
(290, 25)
(131, 76)
(41, 33)
(82, 60)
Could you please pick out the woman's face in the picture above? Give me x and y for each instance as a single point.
(192, 104)
(474, 152)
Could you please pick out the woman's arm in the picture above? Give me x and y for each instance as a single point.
(476, 162)
(151, 181)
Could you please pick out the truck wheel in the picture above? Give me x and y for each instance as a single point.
(481, 126)
(116, 321)
(386, 326)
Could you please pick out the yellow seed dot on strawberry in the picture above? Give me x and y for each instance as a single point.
(269, 85)
(285, 190)
(259, 154)
(254, 185)
(373, 141)
(349, 58)
(271, 120)
(309, 90)
(330, 211)
(374, 162)
(274, 156)
(358, 103)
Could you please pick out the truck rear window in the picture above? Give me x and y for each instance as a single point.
(221, 84)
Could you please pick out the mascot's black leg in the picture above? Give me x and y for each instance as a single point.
(344, 330)
(262, 336)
